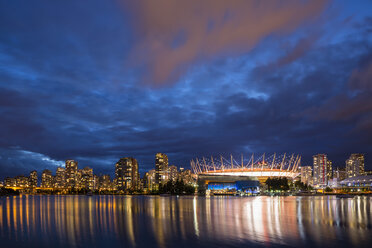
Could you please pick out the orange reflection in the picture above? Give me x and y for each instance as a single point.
(159, 221)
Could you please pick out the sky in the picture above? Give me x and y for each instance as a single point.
(95, 81)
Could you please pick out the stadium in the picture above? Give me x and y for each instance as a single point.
(221, 175)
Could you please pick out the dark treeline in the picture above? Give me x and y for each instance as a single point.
(4, 191)
(282, 184)
(176, 188)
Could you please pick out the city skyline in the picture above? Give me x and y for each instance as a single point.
(185, 123)
(231, 79)
(354, 166)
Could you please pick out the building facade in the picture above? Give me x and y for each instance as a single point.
(320, 170)
(329, 170)
(32, 179)
(86, 179)
(105, 182)
(149, 181)
(46, 179)
(172, 173)
(307, 175)
(126, 174)
(71, 173)
(161, 168)
(187, 176)
(355, 165)
(60, 178)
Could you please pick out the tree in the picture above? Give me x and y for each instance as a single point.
(280, 184)
(328, 190)
(176, 188)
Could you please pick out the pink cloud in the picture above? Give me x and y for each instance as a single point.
(172, 35)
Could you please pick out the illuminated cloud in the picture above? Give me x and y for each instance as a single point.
(173, 35)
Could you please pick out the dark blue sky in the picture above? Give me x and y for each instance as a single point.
(99, 80)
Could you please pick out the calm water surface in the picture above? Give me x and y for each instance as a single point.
(153, 221)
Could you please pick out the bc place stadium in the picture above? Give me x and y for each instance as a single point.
(221, 175)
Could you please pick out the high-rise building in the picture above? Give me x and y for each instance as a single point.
(46, 179)
(149, 181)
(95, 182)
(306, 175)
(10, 182)
(32, 179)
(60, 178)
(21, 181)
(172, 173)
(126, 174)
(187, 176)
(339, 173)
(161, 168)
(329, 170)
(71, 173)
(355, 165)
(86, 180)
(105, 182)
(320, 170)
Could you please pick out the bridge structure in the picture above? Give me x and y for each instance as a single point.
(261, 167)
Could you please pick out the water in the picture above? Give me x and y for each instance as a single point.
(153, 221)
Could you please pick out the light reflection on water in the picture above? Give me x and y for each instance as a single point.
(153, 221)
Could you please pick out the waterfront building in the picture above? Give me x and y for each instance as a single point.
(187, 176)
(71, 173)
(21, 181)
(306, 175)
(329, 170)
(78, 177)
(32, 179)
(126, 174)
(95, 182)
(358, 182)
(355, 165)
(10, 182)
(339, 173)
(149, 181)
(172, 173)
(46, 179)
(228, 184)
(86, 178)
(60, 178)
(320, 170)
(161, 168)
(275, 165)
(105, 182)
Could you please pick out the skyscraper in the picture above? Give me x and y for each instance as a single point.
(355, 165)
(173, 173)
(329, 170)
(126, 174)
(149, 181)
(71, 173)
(87, 178)
(187, 176)
(32, 179)
(161, 168)
(320, 170)
(60, 178)
(104, 182)
(46, 179)
(306, 175)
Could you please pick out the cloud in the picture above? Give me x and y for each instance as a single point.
(67, 98)
(354, 105)
(15, 161)
(174, 35)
